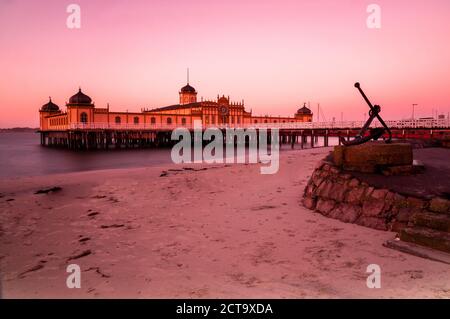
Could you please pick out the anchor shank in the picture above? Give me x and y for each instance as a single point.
(365, 97)
(366, 125)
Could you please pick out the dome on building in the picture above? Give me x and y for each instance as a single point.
(187, 89)
(80, 98)
(50, 106)
(223, 100)
(304, 110)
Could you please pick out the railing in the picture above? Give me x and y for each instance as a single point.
(399, 124)
(59, 127)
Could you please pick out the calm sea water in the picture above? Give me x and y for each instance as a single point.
(22, 155)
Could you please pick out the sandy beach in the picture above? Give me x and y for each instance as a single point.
(215, 231)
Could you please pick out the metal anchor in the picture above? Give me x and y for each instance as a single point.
(374, 133)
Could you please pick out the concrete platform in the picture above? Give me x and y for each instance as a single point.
(434, 181)
(374, 156)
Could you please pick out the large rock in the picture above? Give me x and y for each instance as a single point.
(440, 205)
(373, 156)
(309, 202)
(316, 178)
(348, 213)
(432, 220)
(356, 195)
(372, 222)
(324, 189)
(379, 194)
(337, 192)
(397, 226)
(405, 214)
(372, 207)
(309, 190)
(325, 206)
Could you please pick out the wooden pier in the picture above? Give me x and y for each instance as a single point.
(87, 137)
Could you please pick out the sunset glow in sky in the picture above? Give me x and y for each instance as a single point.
(274, 54)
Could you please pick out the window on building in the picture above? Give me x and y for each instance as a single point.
(169, 121)
(232, 119)
(153, 120)
(265, 121)
(213, 119)
(183, 121)
(83, 117)
(256, 121)
(275, 121)
(238, 120)
(136, 120)
(206, 119)
(117, 120)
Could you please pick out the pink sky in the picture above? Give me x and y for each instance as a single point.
(274, 54)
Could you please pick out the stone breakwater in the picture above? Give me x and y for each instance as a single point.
(338, 194)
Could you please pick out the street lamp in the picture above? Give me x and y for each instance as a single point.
(413, 110)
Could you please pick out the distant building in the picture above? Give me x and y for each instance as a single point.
(81, 112)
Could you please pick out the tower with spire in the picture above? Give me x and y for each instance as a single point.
(188, 94)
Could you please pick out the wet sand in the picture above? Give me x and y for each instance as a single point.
(218, 232)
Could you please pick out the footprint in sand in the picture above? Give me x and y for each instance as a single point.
(99, 196)
(241, 278)
(113, 199)
(93, 214)
(264, 253)
(84, 239)
(37, 267)
(80, 255)
(112, 226)
(98, 271)
(263, 207)
(415, 274)
(290, 232)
